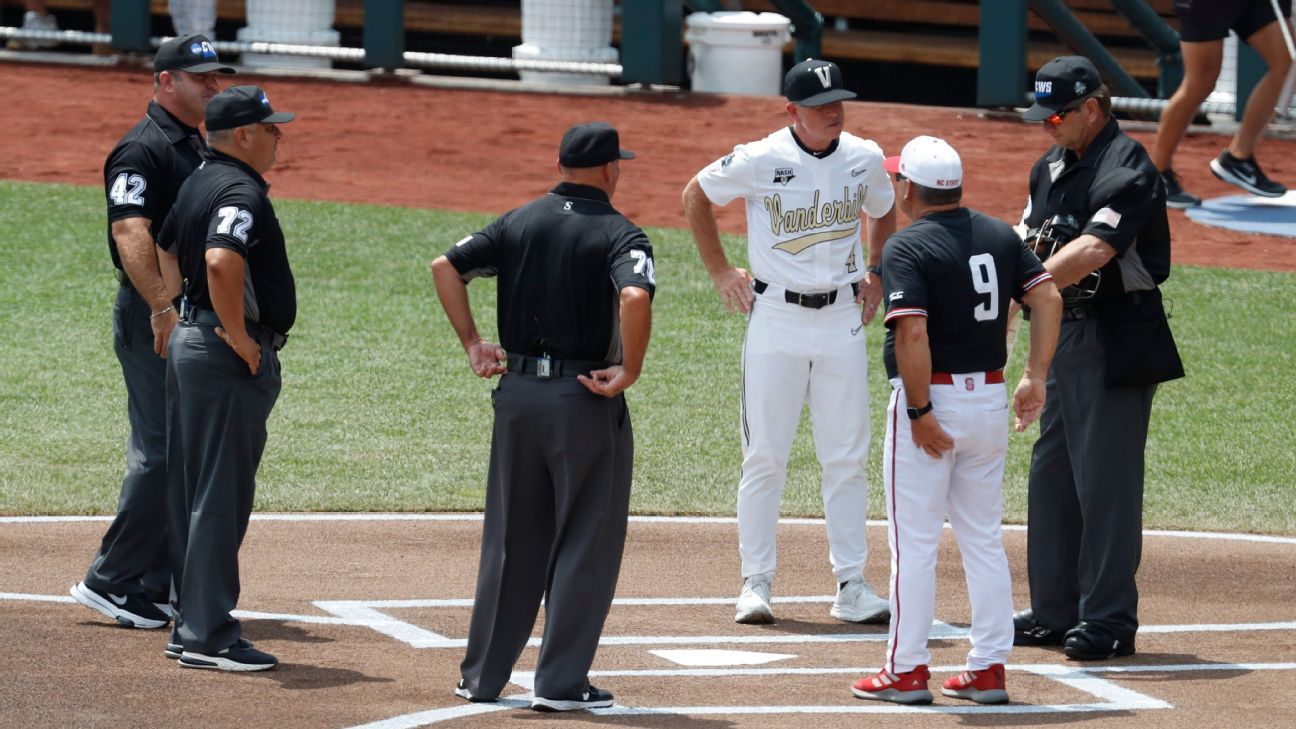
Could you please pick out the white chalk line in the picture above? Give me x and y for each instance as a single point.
(644, 519)
(1112, 698)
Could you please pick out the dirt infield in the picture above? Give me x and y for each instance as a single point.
(489, 151)
(368, 617)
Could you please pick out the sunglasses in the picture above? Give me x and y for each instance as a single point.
(1056, 119)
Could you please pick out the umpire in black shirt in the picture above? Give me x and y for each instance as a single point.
(574, 306)
(223, 372)
(1098, 206)
(129, 579)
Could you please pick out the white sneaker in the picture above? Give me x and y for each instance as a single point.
(857, 603)
(754, 602)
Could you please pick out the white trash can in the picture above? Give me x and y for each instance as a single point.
(736, 52)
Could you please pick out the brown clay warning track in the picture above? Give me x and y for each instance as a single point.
(489, 151)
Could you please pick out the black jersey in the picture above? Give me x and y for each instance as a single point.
(224, 204)
(144, 171)
(959, 269)
(1115, 193)
(561, 260)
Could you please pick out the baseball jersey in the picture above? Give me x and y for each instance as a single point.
(144, 171)
(561, 260)
(224, 204)
(958, 268)
(1117, 195)
(803, 208)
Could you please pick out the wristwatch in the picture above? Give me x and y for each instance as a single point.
(875, 270)
(915, 413)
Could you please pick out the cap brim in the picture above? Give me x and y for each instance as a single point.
(279, 117)
(627, 154)
(892, 164)
(207, 67)
(826, 97)
(1038, 113)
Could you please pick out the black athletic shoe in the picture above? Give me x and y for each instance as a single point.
(1246, 174)
(462, 692)
(593, 698)
(1090, 642)
(133, 611)
(1176, 196)
(1028, 631)
(239, 657)
(174, 647)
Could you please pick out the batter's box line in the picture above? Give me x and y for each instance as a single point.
(371, 613)
(1111, 697)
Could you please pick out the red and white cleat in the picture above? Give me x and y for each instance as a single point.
(903, 688)
(985, 686)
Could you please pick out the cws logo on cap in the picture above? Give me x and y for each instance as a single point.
(1060, 83)
(192, 53)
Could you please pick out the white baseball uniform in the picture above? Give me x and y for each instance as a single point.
(803, 237)
(959, 269)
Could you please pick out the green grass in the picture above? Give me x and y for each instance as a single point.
(380, 412)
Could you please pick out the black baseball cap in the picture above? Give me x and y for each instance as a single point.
(239, 106)
(591, 145)
(1059, 83)
(192, 53)
(815, 83)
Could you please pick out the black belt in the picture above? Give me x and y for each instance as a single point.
(1084, 311)
(522, 364)
(207, 317)
(122, 279)
(810, 301)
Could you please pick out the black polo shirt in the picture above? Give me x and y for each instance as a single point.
(562, 261)
(959, 269)
(144, 171)
(1116, 194)
(224, 204)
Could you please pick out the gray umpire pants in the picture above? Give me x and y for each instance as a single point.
(216, 433)
(557, 499)
(1085, 501)
(132, 556)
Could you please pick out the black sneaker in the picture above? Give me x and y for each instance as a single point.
(1090, 642)
(239, 657)
(174, 647)
(593, 698)
(462, 692)
(133, 611)
(1176, 196)
(1246, 174)
(1029, 631)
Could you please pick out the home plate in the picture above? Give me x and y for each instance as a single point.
(713, 657)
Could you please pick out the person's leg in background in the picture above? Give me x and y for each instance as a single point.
(1201, 61)
(1242, 169)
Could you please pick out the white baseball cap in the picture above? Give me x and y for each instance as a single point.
(929, 162)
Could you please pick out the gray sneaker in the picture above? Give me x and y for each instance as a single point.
(857, 603)
(753, 606)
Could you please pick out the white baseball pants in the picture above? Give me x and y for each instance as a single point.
(791, 354)
(967, 484)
